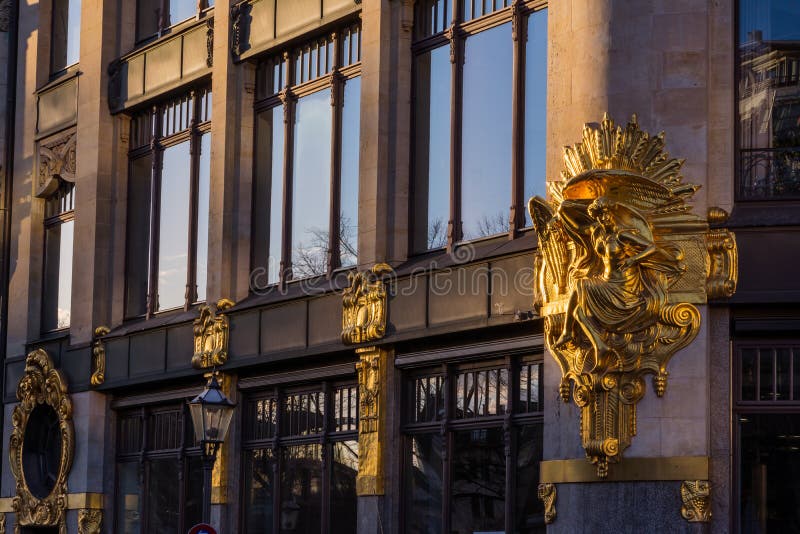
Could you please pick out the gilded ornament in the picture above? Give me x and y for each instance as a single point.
(723, 255)
(2, 523)
(41, 384)
(621, 262)
(371, 414)
(56, 162)
(99, 356)
(211, 336)
(364, 306)
(89, 521)
(696, 497)
(548, 494)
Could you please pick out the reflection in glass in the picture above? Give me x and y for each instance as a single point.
(193, 505)
(486, 133)
(348, 220)
(129, 497)
(783, 363)
(301, 489)
(424, 485)
(749, 374)
(769, 99)
(163, 511)
(180, 10)
(173, 246)
(528, 509)
(478, 487)
(769, 470)
(204, 189)
(259, 487)
(311, 185)
(58, 275)
(66, 41)
(269, 191)
(765, 370)
(535, 107)
(343, 487)
(432, 149)
(137, 254)
(796, 381)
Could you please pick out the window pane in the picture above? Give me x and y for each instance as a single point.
(193, 507)
(343, 487)
(65, 44)
(58, 276)
(765, 371)
(529, 511)
(303, 414)
(769, 99)
(301, 490)
(259, 486)
(428, 398)
(138, 245)
(128, 495)
(796, 382)
(478, 490)
(311, 185)
(486, 133)
(749, 374)
(350, 150)
(424, 485)
(173, 246)
(268, 224)
(180, 10)
(432, 149)
(535, 107)
(204, 189)
(783, 373)
(147, 18)
(163, 511)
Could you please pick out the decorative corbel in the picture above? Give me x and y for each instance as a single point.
(99, 356)
(723, 256)
(696, 497)
(89, 521)
(364, 306)
(56, 162)
(547, 494)
(211, 336)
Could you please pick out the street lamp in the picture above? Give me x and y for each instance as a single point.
(211, 416)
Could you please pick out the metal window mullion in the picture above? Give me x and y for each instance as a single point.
(289, 101)
(455, 231)
(337, 103)
(519, 37)
(157, 151)
(774, 374)
(277, 461)
(509, 437)
(327, 456)
(447, 447)
(190, 296)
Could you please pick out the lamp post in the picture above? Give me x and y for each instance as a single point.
(211, 416)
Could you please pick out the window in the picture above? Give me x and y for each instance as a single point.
(168, 195)
(307, 150)
(65, 41)
(159, 471)
(300, 458)
(59, 228)
(767, 407)
(153, 17)
(769, 100)
(462, 480)
(480, 86)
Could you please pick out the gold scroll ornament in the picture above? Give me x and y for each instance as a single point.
(364, 312)
(99, 356)
(41, 385)
(621, 262)
(211, 336)
(696, 497)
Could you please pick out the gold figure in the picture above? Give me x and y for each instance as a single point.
(371, 409)
(723, 256)
(548, 494)
(99, 356)
(364, 306)
(621, 261)
(211, 336)
(696, 497)
(89, 521)
(2, 523)
(41, 385)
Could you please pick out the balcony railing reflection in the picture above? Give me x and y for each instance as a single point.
(769, 174)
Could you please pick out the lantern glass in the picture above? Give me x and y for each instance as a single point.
(211, 414)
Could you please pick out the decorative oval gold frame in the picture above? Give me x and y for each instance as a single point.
(41, 384)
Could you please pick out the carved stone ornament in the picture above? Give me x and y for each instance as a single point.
(371, 413)
(41, 388)
(696, 497)
(364, 306)
(548, 494)
(621, 261)
(89, 521)
(99, 356)
(56, 162)
(211, 336)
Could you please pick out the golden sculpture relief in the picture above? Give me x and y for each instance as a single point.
(364, 306)
(89, 521)
(621, 261)
(41, 385)
(2, 523)
(371, 409)
(211, 336)
(99, 356)
(548, 494)
(723, 265)
(696, 497)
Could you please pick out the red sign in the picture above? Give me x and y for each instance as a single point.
(202, 528)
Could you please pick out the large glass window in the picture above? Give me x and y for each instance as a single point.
(66, 35)
(307, 138)
(159, 472)
(59, 231)
(300, 459)
(168, 203)
(769, 100)
(480, 71)
(153, 17)
(481, 474)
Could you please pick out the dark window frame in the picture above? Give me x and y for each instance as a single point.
(148, 138)
(164, 27)
(326, 438)
(54, 72)
(510, 422)
(500, 12)
(290, 90)
(59, 209)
